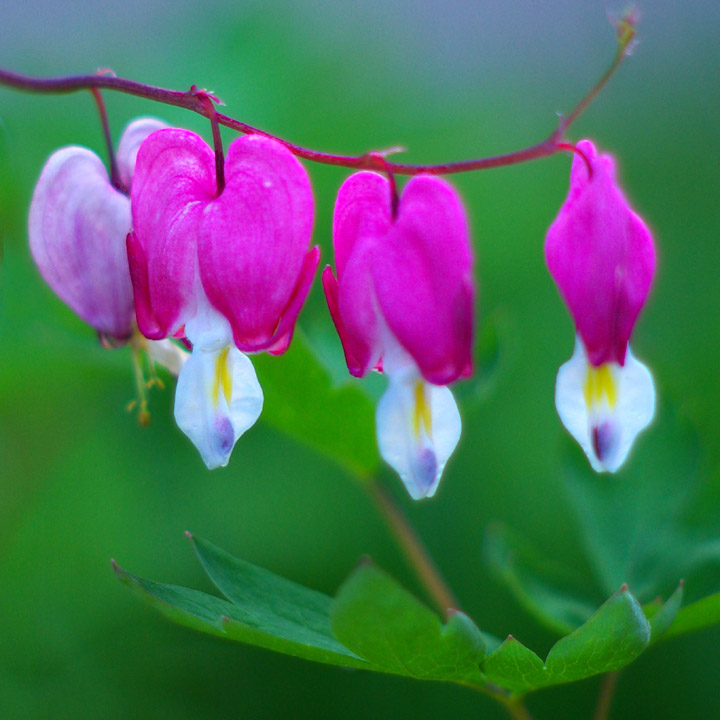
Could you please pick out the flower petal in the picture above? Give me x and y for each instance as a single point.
(362, 213)
(604, 416)
(77, 228)
(283, 335)
(169, 354)
(130, 141)
(217, 399)
(253, 240)
(418, 427)
(422, 276)
(174, 182)
(601, 255)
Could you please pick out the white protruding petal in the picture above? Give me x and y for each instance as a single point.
(599, 428)
(169, 354)
(132, 138)
(218, 398)
(418, 453)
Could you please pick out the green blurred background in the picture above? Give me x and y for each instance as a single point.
(81, 482)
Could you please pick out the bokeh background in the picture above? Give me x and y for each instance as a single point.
(81, 482)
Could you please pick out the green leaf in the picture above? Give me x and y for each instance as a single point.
(273, 613)
(612, 638)
(552, 593)
(662, 618)
(302, 402)
(514, 667)
(697, 616)
(380, 621)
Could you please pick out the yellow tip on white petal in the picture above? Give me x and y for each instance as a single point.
(418, 427)
(222, 378)
(600, 385)
(422, 414)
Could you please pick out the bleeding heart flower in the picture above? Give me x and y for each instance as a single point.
(230, 272)
(601, 255)
(77, 229)
(403, 303)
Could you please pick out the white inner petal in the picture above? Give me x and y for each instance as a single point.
(418, 427)
(218, 396)
(604, 408)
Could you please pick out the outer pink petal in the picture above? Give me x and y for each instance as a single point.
(280, 341)
(362, 212)
(146, 321)
(254, 239)
(132, 138)
(423, 279)
(174, 182)
(77, 228)
(361, 220)
(601, 255)
(357, 367)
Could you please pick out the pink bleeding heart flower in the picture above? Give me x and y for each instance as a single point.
(403, 302)
(230, 272)
(601, 255)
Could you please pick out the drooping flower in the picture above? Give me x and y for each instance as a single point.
(229, 272)
(77, 227)
(601, 255)
(402, 303)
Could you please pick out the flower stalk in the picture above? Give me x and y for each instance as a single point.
(197, 102)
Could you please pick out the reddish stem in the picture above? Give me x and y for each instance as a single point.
(196, 102)
(114, 172)
(209, 103)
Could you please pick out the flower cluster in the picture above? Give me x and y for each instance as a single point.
(175, 256)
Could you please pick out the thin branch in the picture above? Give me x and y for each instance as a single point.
(606, 695)
(415, 552)
(112, 162)
(190, 100)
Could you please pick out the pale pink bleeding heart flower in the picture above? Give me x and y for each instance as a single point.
(230, 272)
(77, 227)
(601, 255)
(403, 302)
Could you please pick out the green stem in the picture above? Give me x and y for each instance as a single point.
(414, 550)
(517, 710)
(605, 697)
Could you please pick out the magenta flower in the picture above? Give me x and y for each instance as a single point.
(229, 272)
(403, 303)
(601, 255)
(77, 228)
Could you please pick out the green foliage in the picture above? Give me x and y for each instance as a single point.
(337, 421)
(264, 609)
(612, 638)
(555, 595)
(637, 528)
(380, 621)
(697, 616)
(375, 624)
